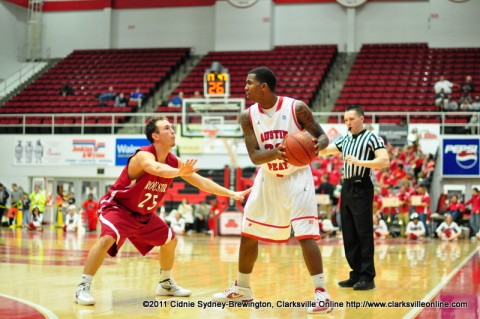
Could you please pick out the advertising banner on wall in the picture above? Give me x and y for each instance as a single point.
(429, 137)
(460, 157)
(394, 134)
(64, 150)
(126, 147)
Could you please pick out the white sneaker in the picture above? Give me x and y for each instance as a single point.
(83, 296)
(234, 293)
(322, 302)
(169, 287)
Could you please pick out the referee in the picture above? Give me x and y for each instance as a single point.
(362, 152)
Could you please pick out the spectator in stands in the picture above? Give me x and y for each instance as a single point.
(71, 220)
(442, 100)
(467, 88)
(201, 217)
(415, 229)
(476, 104)
(197, 95)
(66, 90)
(422, 207)
(137, 96)
(448, 230)
(177, 100)
(475, 211)
(444, 84)
(455, 208)
(473, 123)
(380, 229)
(121, 100)
(403, 196)
(110, 95)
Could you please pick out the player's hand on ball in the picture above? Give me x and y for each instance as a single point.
(240, 195)
(187, 168)
(281, 152)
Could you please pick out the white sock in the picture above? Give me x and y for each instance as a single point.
(318, 281)
(243, 280)
(165, 274)
(87, 279)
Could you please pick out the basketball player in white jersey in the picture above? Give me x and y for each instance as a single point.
(283, 195)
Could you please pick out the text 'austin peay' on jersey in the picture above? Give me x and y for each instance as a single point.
(270, 129)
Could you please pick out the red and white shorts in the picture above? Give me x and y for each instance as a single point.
(276, 204)
(143, 231)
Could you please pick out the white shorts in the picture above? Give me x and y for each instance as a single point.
(278, 203)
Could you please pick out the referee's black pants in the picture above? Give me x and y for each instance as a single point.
(357, 227)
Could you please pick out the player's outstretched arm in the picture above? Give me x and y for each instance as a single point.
(210, 186)
(145, 161)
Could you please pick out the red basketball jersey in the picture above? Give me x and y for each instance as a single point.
(144, 194)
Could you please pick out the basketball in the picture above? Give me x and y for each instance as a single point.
(299, 148)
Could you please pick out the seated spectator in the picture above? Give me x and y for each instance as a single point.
(197, 95)
(455, 208)
(467, 88)
(448, 230)
(325, 224)
(137, 96)
(177, 100)
(121, 100)
(415, 229)
(476, 104)
(201, 217)
(36, 219)
(107, 96)
(71, 220)
(66, 90)
(380, 229)
(186, 210)
(444, 85)
(177, 223)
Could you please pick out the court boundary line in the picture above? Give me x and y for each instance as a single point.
(415, 311)
(47, 313)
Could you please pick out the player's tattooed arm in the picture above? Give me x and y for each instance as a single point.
(257, 155)
(306, 120)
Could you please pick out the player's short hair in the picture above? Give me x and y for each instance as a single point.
(151, 126)
(357, 108)
(265, 75)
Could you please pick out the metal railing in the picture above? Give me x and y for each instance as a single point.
(134, 123)
(23, 74)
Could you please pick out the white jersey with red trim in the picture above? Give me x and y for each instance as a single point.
(270, 130)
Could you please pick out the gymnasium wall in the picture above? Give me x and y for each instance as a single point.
(441, 23)
(13, 35)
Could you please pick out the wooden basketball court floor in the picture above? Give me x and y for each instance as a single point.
(40, 270)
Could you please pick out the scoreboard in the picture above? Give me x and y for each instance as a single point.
(216, 84)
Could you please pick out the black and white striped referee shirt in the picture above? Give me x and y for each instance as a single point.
(363, 147)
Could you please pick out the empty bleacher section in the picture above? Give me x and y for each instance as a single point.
(400, 78)
(90, 73)
(300, 70)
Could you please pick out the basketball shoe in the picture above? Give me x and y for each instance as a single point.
(322, 300)
(234, 293)
(169, 287)
(83, 296)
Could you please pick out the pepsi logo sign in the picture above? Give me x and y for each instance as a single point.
(460, 157)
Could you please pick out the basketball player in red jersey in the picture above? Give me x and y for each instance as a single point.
(283, 195)
(128, 209)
